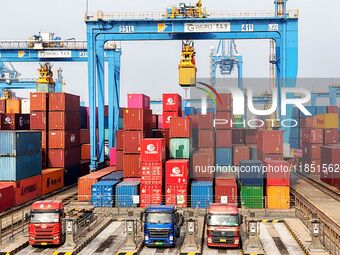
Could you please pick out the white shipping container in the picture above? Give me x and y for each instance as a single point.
(25, 106)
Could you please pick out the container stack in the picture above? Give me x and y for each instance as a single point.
(20, 164)
(251, 181)
(277, 184)
(103, 193)
(137, 125)
(39, 120)
(153, 156)
(270, 145)
(224, 132)
(172, 107)
(330, 157)
(64, 135)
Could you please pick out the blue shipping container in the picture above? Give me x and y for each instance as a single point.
(17, 143)
(189, 111)
(115, 176)
(103, 193)
(201, 194)
(223, 156)
(125, 192)
(20, 167)
(251, 173)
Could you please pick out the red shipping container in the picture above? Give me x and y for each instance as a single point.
(312, 151)
(312, 135)
(15, 121)
(277, 172)
(59, 139)
(38, 120)
(329, 159)
(131, 165)
(138, 101)
(223, 120)
(85, 152)
(64, 102)
(119, 140)
(2, 106)
(311, 166)
(226, 105)
(330, 136)
(269, 156)
(154, 121)
(172, 103)
(153, 149)
(64, 158)
(167, 116)
(119, 156)
(39, 101)
(137, 119)
(205, 121)
(150, 194)
(240, 152)
(113, 157)
(206, 138)
(180, 127)
(160, 121)
(308, 122)
(238, 136)
(270, 141)
(223, 138)
(194, 121)
(332, 109)
(26, 189)
(84, 136)
(226, 186)
(177, 172)
(132, 140)
(85, 182)
(202, 160)
(63, 120)
(152, 172)
(250, 136)
(176, 194)
(6, 196)
(163, 133)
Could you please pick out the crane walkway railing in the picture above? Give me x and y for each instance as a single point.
(32, 44)
(100, 15)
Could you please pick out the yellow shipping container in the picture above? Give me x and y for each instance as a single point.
(278, 197)
(13, 105)
(331, 120)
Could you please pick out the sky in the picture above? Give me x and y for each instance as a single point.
(151, 67)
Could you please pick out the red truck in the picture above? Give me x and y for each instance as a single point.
(223, 226)
(46, 225)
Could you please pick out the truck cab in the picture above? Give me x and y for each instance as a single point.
(162, 226)
(46, 225)
(223, 226)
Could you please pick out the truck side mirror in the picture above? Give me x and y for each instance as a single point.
(240, 219)
(142, 216)
(27, 216)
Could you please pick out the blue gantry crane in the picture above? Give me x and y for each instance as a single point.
(226, 61)
(280, 25)
(332, 94)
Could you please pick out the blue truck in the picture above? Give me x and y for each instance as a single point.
(162, 226)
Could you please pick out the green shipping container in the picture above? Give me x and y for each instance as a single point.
(252, 196)
(238, 121)
(180, 148)
(46, 88)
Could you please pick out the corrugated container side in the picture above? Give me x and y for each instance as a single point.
(16, 143)
(132, 140)
(172, 103)
(251, 173)
(177, 172)
(13, 105)
(84, 136)
(223, 156)
(26, 189)
(252, 197)
(113, 156)
(25, 106)
(6, 196)
(270, 141)
(85, 182)
(226, 188)
(201, 194)
(20, 167)
(176, 194)
(137, 119)
(206, 138)
(140, 101)
(223, 138)
(277, 173)
(52, 180)
(205, 121)
(64, 157)
(2, 106)
(59, 139)
(180, 127)
(39, 101)
(223, 120)
(227, 104)
(85, 152)
(64, 120)
(202, 160)
(15, 121)
(131, 165)
(64, 102)
(240, 152)
(125, 192)
(38, 120)
(153, 149)
(238, 136)
(103, 193)
(166, 118)
(150, 194)
(114, 176)
(278, 197)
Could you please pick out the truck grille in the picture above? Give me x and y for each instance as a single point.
(159, 233)
(223, 233)
(228, 240)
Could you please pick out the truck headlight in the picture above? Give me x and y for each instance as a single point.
(146, 238)
(56, 237)
(171, 238)
(209, 240)
(237, 241)
(32, 238)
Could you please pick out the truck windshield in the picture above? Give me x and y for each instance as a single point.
(159, 218)
(222, 220)
(44, 217)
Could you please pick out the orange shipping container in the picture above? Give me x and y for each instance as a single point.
(85, 182)
(327, 120)
(52, 180)
(13, 105)
(26, 189)
(278, 197)
(85, 152)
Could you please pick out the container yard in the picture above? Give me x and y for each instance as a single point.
(211, 160)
